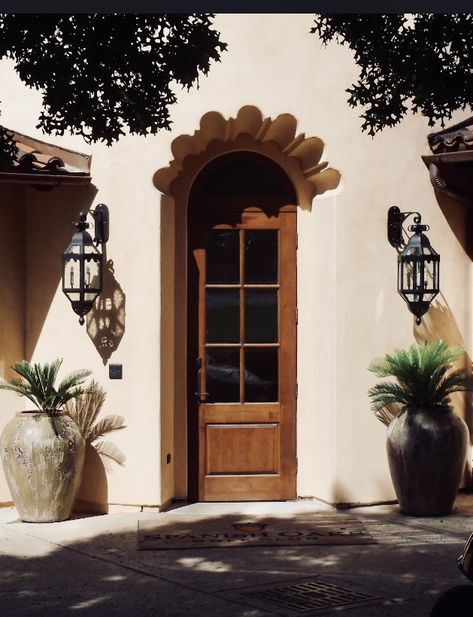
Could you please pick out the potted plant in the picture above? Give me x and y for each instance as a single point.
(426, 441)
(42, 451)
(92, 495)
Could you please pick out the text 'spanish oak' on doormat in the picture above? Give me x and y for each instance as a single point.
(174, 531)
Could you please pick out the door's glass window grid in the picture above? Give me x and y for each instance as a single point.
(242, 315)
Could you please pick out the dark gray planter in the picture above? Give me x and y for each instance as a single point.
(427, 454)
(42, 457)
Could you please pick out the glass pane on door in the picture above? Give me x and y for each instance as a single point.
(261, 256)
(223, 315)
(261, 315)
(261, 375)
(223, 375)
(223, 256)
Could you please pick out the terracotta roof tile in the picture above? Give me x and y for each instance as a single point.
(44, 160)
(452, 139)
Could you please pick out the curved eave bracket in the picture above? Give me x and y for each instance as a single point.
(450, 173)
(299, 156)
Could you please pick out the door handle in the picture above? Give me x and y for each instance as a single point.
(201, 397)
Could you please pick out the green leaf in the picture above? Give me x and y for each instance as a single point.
(38, 384)
(422, 377)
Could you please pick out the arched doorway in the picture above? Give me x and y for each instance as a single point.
(241, 318)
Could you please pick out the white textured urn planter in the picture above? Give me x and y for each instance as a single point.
(42, 456)
(427, 454)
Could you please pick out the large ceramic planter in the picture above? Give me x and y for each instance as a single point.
(427, 453)
(42, 457)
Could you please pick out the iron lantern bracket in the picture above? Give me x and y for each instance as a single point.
(396, 219)
(101, 218)
(102, 224)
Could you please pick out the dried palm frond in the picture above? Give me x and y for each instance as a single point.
(85, 411)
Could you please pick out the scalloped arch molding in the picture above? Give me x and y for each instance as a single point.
(299, 156)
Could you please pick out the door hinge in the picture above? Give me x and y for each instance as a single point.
(297, 389)
(297, 240)
(297, 315)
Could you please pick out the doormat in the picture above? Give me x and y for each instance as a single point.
(176, 531)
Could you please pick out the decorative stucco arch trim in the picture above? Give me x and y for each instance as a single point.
(299, 156)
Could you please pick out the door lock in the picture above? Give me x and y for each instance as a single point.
(201, 397)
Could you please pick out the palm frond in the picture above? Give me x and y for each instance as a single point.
(423, 377)
(106, 425)
(38, 384)
(85, 410)
(387, 414)
(386, 393)
(22, 390)
(111, 451)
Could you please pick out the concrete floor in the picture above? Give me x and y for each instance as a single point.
(89, 565)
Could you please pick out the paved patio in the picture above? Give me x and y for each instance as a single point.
(90, 565)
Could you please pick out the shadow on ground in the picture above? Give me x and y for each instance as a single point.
(45, 569)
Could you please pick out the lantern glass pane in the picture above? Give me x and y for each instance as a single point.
(91, 275)
(72, 274)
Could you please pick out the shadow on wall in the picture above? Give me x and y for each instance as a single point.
(106, 322)
(48, 222)
(92, 495)
(459, 215)
(440, 323)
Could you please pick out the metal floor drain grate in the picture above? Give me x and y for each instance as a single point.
(308, 596)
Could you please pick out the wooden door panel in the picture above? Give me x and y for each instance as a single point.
(245, 488)
(242, 449)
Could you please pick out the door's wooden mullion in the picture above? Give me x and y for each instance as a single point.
(212, 345)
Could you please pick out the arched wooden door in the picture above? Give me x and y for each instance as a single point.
(242, 332)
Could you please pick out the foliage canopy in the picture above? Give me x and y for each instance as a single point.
(424, 379)
(101, 74)
(38, 383)
(420, 61)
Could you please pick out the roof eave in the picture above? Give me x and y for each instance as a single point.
(461, 156)
(45, 179)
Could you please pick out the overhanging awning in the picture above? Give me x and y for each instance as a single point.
(39, 163)
(451, 162)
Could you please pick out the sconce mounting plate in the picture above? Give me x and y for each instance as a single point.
(395, 220)
(101, 217)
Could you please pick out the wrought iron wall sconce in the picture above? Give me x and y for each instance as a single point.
(82, 261)
(418, 265)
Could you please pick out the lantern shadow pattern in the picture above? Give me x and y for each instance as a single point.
(106, 321)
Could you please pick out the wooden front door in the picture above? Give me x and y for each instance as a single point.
(242, 354)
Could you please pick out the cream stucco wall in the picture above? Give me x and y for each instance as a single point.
(349, 310)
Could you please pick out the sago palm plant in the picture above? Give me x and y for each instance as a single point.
(38, 384)
(424, 378)
(84, 410)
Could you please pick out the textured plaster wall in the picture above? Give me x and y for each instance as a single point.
(12, 305)
(349, 310)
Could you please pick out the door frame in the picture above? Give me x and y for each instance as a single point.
(275, 206)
